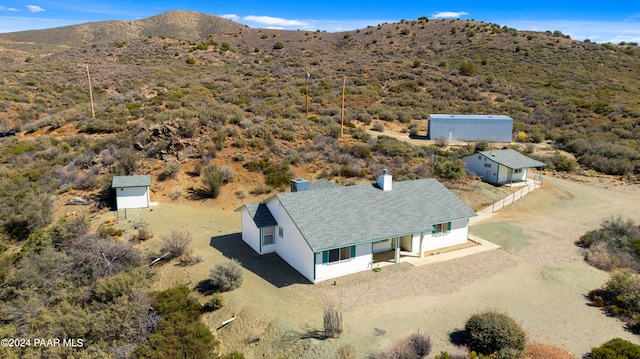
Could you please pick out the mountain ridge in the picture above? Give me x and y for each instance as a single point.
(189, 25)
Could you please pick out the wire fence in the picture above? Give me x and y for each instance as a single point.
(511, 198)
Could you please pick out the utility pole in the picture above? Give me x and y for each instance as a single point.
(344, 84)
(306, 87)
(93, 112)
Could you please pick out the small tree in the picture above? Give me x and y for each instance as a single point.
(227, 276)
(278, 45)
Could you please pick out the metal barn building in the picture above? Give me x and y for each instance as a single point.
(492, 128)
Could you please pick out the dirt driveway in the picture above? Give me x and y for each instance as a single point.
(538, 277)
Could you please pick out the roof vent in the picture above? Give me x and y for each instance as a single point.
(385, 180)
(300, 185)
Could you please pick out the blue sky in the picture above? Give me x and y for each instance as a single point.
(600, 21)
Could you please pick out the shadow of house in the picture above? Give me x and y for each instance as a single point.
(269, 267)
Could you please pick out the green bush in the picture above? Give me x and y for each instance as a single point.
(467, 69)
(624, 286)
(492, 332)
(446, 168)
(227, 276)
(216, 302)
(278, 45)
(180, 333)
(616, 349)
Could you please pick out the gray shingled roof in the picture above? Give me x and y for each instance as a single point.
(342, 216)
(261, 215)
(131, 181)
(512, 159)
(323, 184)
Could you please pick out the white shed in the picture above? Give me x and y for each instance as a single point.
(131, 191)
(501, 166)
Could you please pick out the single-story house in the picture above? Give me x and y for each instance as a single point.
(501, 166)
(325, 231)
(131, 191)
(491, 128)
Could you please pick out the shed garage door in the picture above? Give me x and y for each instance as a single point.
(132, 197)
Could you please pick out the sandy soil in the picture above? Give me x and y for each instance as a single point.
(538, 277)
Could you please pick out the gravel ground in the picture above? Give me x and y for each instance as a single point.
(538, 277)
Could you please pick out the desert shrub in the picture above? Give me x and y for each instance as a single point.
(392, 147)
(277, 175)
(563, 163)
(378, 126)
(358, 133)
(127, 162)
(144, 232)
(214, 303)
(482, 146)
(467, 69)
(170, 170)
(180, 333)
(616, 244)
(492, 332)
(278, 45)
(227, 276)
(332, 319)
(616, 349)
(213, 178)
(415, 346)
(449, 168)
(624, 286)
(108, 289)
(176, 244)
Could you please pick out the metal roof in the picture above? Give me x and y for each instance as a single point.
(131, 181)
(512, 159)
(343, 216)
(469, 117)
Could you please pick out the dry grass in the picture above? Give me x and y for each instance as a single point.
(544, 351)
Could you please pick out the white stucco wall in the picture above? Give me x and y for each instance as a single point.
(250, 233)
(519, 176)
(382, 246)
(476, 165)
(293, 248)
(361, 262)
(458, 235)
(132, 197)
(503, 175)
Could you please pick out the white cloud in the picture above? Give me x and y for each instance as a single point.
(34, 8)
(233, 17)
(274, 21)
(4, 8)
(596, 31)
(449, 14)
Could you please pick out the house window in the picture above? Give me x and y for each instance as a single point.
(280, 232)
(519, 170)
(268, 235)
(488, 165)
(338, 254)
(480, 157)
(441, 229)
